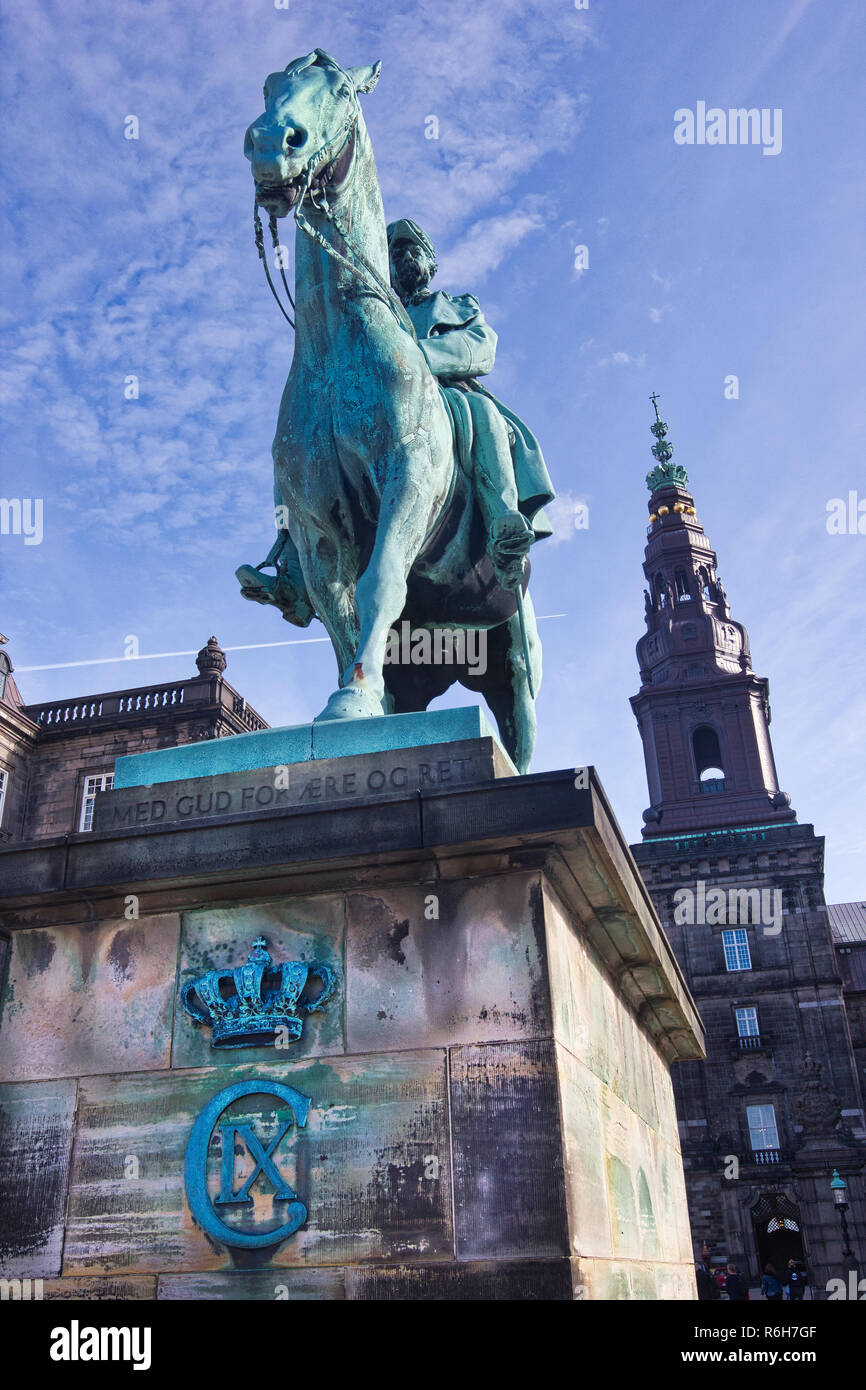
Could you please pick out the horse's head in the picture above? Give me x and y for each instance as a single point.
(311, 109)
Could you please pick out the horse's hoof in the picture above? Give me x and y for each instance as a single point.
(350, 703)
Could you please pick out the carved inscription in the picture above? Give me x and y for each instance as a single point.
(308, 784)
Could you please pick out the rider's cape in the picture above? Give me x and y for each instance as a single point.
(460, 346)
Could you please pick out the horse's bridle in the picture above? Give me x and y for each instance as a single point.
(314, 186)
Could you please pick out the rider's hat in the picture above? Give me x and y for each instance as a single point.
(405, 230)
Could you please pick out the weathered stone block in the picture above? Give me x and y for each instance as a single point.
(591, 1020)
(643, 1191)
(586, 1177)
(446, 963)
(509, 1191)
(631, 1281)
(36, 1122)
(267, 1285)
(102, 1289)
(475, 1280)
(306, 929)
(371, 1166)
(85, 999)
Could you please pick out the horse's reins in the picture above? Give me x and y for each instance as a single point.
(375, 282)
(260, 247)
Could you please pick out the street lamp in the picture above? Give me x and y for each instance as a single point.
(839, 1188)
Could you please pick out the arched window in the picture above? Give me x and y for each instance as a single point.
(5, 668)
(659, 584)
(682, 583)
(708, 759)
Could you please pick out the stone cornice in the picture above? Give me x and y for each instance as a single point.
(540, 821)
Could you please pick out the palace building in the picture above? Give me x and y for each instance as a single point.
(55, 757)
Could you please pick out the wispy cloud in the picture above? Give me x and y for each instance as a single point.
(622, 359)
(486, 243)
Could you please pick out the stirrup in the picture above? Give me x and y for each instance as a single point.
(256, 585)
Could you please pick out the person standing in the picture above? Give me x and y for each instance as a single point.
(736, 1287)
(796, 1281)
(770, 1286)
(707, 1286)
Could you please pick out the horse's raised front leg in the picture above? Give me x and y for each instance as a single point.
(380, 596)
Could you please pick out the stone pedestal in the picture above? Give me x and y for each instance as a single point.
(490, 1106)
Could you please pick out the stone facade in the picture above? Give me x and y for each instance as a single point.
(794, 987)
(848, 925)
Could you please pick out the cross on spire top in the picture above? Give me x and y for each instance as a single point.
(665, 472)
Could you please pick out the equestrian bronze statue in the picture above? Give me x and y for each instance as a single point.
(403, 490)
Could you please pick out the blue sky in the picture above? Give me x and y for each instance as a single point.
(556, 129)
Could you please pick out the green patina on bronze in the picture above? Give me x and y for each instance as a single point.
(404, 491)
(665, 473)
(259, 1003)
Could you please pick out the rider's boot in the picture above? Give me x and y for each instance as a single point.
(282, 591)
(510, 537)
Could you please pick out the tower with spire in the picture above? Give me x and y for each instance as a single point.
(737, 882)
(702, 713)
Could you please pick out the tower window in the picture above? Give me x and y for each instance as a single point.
(5, 668)
(683, 590)
(659, 584)
(708, 759)
(736, 947)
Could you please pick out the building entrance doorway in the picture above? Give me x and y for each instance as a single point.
(778, 1236)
